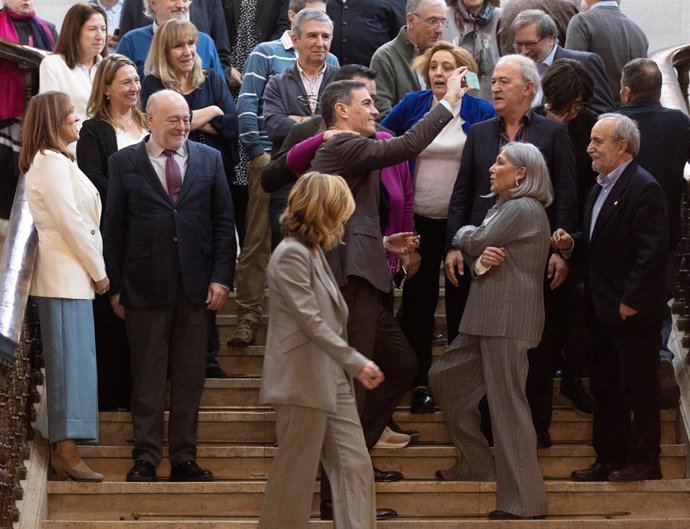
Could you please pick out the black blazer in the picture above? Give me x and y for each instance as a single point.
(153, 247)
(481, 148)
(271, 19)
(97, 141)
(664, 150)
(627, 252)
(602, 100)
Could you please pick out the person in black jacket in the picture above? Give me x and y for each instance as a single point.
(116, 122)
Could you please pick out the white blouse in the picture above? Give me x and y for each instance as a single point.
(125, 139)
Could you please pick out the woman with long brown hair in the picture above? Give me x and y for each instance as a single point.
(69, 268)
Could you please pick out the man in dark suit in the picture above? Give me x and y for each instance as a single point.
(515, 81)
(170, 252)
(625, 240)
(664, 152)
(535, 35)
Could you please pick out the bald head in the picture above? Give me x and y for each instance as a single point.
(168, 116)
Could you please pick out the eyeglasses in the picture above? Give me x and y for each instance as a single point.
(519, 45)
(433, 21)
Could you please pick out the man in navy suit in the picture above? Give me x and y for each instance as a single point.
(170, 252)
(664, 152)
(535, 35)
(625, 240)
(514, 83)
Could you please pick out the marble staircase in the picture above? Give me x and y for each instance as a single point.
(237, 442)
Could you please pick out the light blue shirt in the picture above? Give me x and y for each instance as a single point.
(606, 182)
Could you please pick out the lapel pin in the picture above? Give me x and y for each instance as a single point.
(615, 203)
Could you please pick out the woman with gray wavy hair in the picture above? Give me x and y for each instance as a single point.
(504, 317)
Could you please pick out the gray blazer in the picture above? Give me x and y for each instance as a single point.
(306, 346)
(508, 300)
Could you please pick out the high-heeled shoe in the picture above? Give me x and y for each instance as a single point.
(64, 470)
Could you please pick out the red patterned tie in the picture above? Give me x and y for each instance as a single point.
(173, 177)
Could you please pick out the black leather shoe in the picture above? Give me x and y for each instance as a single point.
(381, 514)
(387, 475)
(142, 471)
(215, 372)
(595, 472)
(189, 471)
(577, 395)
(543, 439)
(502, 515)
(422, 401)
(635, 473)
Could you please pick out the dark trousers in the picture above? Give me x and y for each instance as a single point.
(417, 314)
(625, 387)
(169, 339)
(373, 331)
(113, 357)
(539, 387)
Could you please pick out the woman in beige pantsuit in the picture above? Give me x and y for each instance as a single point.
(503, 318)
(309, 367)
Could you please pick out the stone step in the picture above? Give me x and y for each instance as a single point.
(226, 325)
(240, 425)
(231, 306)
(401, 523)
(417, 499)
(242, 389)
(416, 462)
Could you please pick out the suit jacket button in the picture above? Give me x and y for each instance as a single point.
(93, 232)
(174, 212)
(175, 239)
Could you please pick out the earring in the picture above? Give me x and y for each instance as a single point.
(517, 182)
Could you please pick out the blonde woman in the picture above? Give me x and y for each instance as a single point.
(69, 268)
(309, 366)
(173, 63)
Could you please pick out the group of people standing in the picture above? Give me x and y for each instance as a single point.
(522, 186)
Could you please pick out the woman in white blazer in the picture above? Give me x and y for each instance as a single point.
(69, 268)
(309, 367)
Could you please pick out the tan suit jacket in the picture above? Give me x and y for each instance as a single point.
(66, 209)
(306, 346)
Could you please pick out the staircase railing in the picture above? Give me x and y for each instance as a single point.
(675, 68)
(20, 355)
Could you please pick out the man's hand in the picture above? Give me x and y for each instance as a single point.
(557, 270)
(370, 375)
(117, 308)
(217, 294)
(235, 77)
(401, 243)
(298, 119)
(452, 265)
(561, 240)
(410, 262)
(492, 256)
(626, 311)
(113, 40)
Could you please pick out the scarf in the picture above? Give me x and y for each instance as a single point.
(477, 21)
(11, 77)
